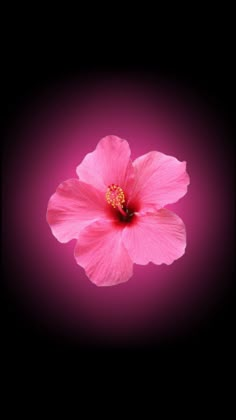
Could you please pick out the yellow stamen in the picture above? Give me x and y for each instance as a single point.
(115, 197)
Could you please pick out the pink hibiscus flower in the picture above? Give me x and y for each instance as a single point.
(115, 211)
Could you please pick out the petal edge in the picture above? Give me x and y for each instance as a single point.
(159, 180)
(100, 251)
(156, 237)
(73, 206)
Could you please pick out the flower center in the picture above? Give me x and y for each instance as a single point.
(115, 197)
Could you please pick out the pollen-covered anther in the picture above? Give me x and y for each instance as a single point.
(115, 196)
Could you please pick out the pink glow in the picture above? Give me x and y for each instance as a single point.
(56, 135)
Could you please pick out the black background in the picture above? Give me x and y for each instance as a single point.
(201, 59)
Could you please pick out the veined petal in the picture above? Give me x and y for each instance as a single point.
(155, 237)
(73, 206)
(109, 164)
(100, 251)
(159, 180)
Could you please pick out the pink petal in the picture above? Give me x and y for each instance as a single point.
(159, 180)
(73, 206)
(109, 164)
(100, 251)
(155, 237)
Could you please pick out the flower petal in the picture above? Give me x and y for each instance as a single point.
(159, 180)
(155, 237)
(109, 164)
(73, 206)
(100, 251)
